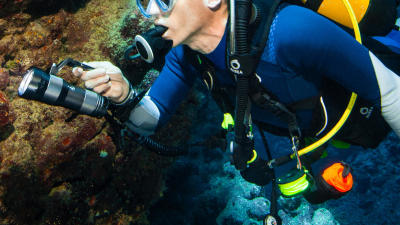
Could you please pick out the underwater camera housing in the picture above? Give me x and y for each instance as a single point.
(48, 88)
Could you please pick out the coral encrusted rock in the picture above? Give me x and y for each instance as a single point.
(58, 166)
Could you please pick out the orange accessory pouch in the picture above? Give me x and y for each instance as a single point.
(333, 176)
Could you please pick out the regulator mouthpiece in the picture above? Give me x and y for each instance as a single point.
(53, 90)
(150, 45)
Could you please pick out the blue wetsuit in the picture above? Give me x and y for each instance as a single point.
(303, 48)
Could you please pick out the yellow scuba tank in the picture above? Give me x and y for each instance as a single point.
(375, 17)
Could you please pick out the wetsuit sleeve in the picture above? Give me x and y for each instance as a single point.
(310, 45)
(165, 95)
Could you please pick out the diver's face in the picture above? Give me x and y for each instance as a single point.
(184, 21)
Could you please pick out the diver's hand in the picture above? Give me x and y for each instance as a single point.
(106, 79)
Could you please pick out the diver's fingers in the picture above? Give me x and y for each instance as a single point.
(116, 76)
(103, 64)
(102, 88)
(92, 83)
(77, 71)
(115, 92)
(91, 74)
(98, 64)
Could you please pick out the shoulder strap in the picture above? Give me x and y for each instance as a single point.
(243, 57)
(266, 101)
(266, 12)
(203, 65)
(206, 69)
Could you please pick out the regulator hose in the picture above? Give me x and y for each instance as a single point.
(243, 13)
(242, 10)
(161, 149)
(154, 146)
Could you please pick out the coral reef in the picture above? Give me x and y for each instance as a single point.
(4, 78)
(59, 167)
(38, 7)
(6, 116)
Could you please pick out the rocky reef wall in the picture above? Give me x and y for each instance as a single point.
(56, 166)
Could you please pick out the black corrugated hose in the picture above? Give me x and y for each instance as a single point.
(242, 13)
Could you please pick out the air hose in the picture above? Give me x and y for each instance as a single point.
(353, 97)
(161, 149)
(152, 145)
(241, 25)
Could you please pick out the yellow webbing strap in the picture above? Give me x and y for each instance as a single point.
(353, 97)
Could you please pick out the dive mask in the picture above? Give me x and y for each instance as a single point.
(147, 7)
(150, 45)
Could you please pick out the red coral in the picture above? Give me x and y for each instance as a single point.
(92, 201)
(5, 115)
(4, 78)
(66, 142)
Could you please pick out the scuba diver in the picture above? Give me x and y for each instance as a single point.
(298, 82)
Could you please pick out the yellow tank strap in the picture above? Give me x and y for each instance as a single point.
(336, 10)
(352, 101)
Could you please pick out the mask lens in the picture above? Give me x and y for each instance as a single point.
(164, 5)
(147, 6)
